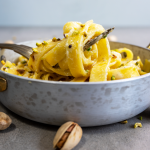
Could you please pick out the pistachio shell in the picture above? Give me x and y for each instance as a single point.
(60, 132)
(5, 121)
(73, 139)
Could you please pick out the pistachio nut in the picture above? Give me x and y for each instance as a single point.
(5, 121)
(67, 136)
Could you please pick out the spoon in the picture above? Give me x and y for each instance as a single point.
(26, 51)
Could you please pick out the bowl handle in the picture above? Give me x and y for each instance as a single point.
(3, 84)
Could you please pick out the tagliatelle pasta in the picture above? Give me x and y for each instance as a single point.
(65, 60)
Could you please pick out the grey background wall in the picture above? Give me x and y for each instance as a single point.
(135, 13)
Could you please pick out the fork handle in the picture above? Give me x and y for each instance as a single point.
(24, 50)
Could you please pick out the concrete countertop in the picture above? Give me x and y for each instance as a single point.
(24, 134)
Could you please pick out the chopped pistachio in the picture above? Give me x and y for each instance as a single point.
(105, 36)
(134, 69)
(38, 44)
(121, 65)
(75, 33)
(7, 66)
(23, 61)
(45, 43)
(124, 122)
(54, 39)
(140, 117)
(35, 50)
(3, 62)
(89, 49)
(136, 63)
(137, 125)
(113, 78)
(87, 71)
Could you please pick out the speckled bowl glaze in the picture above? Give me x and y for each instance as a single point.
(88, 104)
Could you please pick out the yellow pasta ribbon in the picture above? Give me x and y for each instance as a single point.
(66, 60)
(123, 73)
(100, 69)
(128, 54)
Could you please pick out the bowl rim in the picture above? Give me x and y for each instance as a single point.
(78, 83)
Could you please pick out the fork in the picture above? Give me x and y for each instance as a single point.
(26, 51)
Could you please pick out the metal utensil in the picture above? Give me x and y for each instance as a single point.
(96, 39)
(26, 51)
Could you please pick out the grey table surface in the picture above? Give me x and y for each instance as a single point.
(24, 134)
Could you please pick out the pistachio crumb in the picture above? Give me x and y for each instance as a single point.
(35, 50)
(140, 117)
(137, 125)
(44, 43)
(136, 63)
(23, 61)
(121, 65)
(87, 70)
(54, 39)
(75, 33)
(38, 44)
(124, 122)
(113, 78)
(89, 48)
(105, 36)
